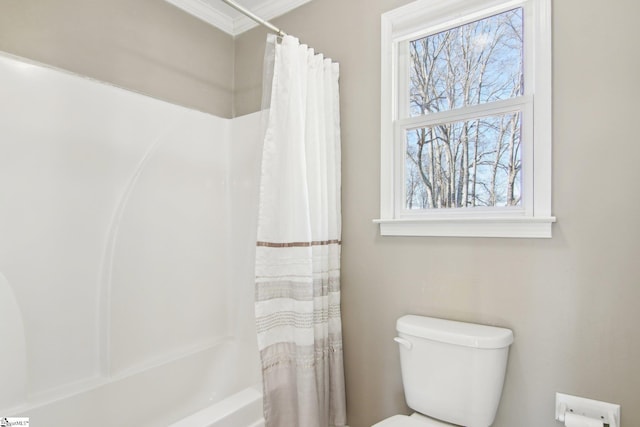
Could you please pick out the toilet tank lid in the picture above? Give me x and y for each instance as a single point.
(453, 332)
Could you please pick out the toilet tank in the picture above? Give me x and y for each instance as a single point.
(453, 371)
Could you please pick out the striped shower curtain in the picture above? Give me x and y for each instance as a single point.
(298, 244)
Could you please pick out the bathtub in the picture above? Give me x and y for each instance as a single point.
(243, 409)
(197, 389)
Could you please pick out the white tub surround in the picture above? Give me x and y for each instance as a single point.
(117, 273)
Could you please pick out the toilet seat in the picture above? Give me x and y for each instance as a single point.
(413, 421)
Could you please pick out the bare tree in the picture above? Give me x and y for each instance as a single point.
(474, 162)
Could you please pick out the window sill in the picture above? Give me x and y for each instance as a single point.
(522, 227)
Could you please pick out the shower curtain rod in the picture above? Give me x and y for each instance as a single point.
(255, 17)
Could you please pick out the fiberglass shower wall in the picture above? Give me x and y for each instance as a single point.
(115, 237)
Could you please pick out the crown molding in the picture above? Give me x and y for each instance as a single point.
(267, 9)
(205, 12)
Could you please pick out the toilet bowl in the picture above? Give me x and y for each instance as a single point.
(415, 420)
(452, 372)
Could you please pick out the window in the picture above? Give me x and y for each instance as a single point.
(466, 119)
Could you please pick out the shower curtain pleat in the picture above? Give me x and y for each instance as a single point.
(298, 246)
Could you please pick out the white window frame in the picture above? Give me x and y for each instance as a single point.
(418, 19)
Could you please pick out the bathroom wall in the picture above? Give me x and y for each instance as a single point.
(571, 300)
(148, 46)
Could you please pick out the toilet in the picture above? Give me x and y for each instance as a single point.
(452, 372)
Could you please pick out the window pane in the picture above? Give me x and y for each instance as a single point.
(472, 64)
(470, 163)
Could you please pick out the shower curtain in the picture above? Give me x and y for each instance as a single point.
(298, 246)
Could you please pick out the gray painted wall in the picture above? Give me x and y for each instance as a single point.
(571, 300)
(147, 46)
